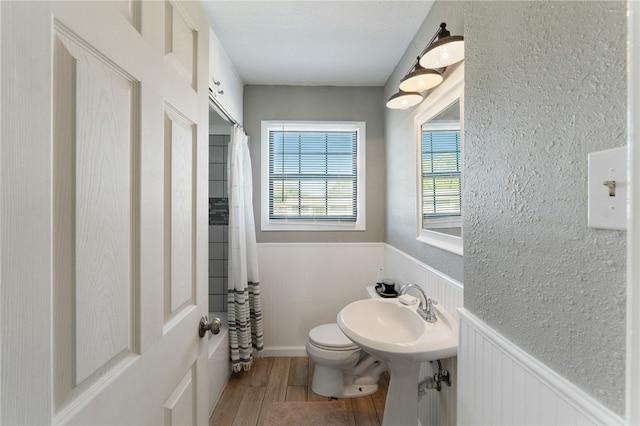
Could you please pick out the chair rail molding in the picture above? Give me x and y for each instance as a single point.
(501, 384)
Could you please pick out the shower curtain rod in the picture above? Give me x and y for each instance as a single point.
(220, 109)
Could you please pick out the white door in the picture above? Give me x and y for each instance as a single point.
(103, 227)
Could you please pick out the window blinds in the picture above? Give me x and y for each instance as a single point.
(313, 175)
(441, 189)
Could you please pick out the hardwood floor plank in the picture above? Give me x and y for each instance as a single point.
(296, 393)
(248, 394)
(277, 387)
(364, 412)
(299, 371)
(260, 371)
(230, 399)
(250, 407)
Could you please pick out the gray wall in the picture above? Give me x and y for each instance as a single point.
(400, 152)
(322, 104)
(545, 84)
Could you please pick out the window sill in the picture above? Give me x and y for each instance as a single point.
(311, 226)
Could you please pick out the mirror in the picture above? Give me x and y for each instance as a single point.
(438, 127)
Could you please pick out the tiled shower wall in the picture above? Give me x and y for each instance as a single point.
(218, 222)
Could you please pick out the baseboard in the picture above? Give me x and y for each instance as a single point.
(499, 383)
(278, 351)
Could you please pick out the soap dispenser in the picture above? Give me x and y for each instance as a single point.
(379, 278)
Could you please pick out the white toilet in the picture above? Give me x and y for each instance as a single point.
(342, 369)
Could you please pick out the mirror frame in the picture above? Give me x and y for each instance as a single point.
(451, 89)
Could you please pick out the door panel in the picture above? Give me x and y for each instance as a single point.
(179, 406)
(180, 41)
(103, 200)
(130, 9)
(179, 152)
(97, 196)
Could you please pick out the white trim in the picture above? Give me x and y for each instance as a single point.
(559, 387)
(444, 95)
(298, 225)
(447, 242)
(440, 125)
(280, 351)
(633, 235)
(445, 222)
(334, 244)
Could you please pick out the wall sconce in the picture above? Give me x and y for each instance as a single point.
(426, 71)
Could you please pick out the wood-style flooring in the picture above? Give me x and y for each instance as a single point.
(248, 394)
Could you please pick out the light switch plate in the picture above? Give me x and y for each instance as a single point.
(607, 211)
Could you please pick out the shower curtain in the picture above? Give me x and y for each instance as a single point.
(244, 306)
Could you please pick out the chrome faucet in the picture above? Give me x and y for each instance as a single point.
(425, 308)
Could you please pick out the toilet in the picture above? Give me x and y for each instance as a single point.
(342, 369)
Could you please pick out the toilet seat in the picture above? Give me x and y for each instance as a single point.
(330, 337)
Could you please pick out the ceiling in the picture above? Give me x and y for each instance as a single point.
(315, 43)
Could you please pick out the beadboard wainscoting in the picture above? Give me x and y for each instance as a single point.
(304, 285)
(406, 269)
(436, 408)
(500, 384)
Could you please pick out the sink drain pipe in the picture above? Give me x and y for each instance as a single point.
(434, 382)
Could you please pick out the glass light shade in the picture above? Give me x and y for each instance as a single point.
(404, 100)
(444, 52)
(420, 80)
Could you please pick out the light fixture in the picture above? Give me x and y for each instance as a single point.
(420, 79)
(404, 100)
(446, 51)
(426, 71)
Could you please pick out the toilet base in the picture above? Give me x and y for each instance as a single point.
(329, 382)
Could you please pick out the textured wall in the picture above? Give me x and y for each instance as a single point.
(544, 86)
(322, 104)
(401, 152)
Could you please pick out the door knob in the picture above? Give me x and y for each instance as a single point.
(213, 326)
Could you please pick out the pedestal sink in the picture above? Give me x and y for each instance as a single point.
(396, 333)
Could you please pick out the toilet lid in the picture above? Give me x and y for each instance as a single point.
(330, 336)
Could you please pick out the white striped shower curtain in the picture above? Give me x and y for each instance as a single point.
(244, 306)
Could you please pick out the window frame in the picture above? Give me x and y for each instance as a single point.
(296, 224)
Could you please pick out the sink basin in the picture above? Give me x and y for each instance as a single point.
(390, 330)
(396, 333)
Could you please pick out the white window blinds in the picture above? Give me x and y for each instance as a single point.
(313, 175)
(441, 189)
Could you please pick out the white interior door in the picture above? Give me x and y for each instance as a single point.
(103, 252)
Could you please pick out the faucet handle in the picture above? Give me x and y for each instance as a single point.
(430, 314)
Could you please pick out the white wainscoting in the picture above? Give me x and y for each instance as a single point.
(436, 408)
(406, 269)
(500, 384)
(306, 284)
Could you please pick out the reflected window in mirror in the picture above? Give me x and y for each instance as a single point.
(441, 167)
(439, 130)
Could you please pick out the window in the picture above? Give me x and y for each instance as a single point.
(313, 175)
(441, 189)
